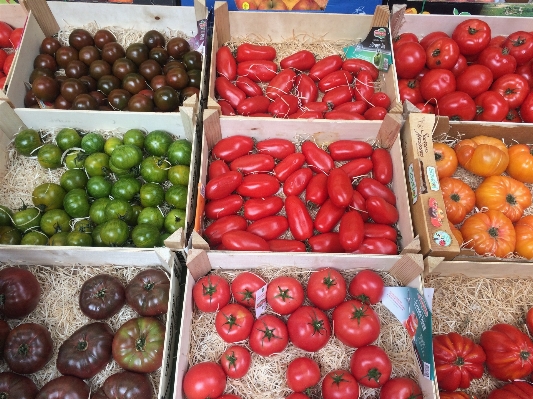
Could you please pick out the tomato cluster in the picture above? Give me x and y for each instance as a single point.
(99, 74)
(468, 76)
(114, 192)
(249, 176)
(502, 229)
(9, 40)
(249, 84)
(308, 327)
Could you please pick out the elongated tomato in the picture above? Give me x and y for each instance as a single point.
(340, 190)
(252, 52)
(380, 246)
(228, 91)
(338, 95)
(343, 116)
(335, 79)
(214, 232)
(248, 86)
(258, 186)
(346, 150)
(225, 63)
(281, 84)
(253, 105)
(297, 182)
(328, 216)
(258, 71)
(278, 148)
(376, 230)
(286, 246)
(316, 106)
(382, 165)
(302, 60)
(229, 205)
(270, 227)
(223, 185)
(326, 242)
(301, 114)
(357, 167)
(325, 66)
(353, 107)
(239, 240)
(230, 148)
(300, 221)
(253, 163)
(317, 189)
(356, 65)
(351, 231)
(226, 108)
(283, 106)
(258, 208)
(306, 89)
(358, 203)
(217, 168)
(369, 187)
(381, 211)
(317, 159)
(288, 165)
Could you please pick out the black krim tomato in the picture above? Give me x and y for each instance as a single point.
(102, 296)
(48, 196)
(138, 345)
(157, 142)
(148, 292)
(20, 292)
(102, 37)
(28, 348)
(177, 47)
(166, 98)
(17, 386)
(27, 141)
(86, 352)
(145, 236)
(4, 332)
(9, 235)
(154, 38)
(80, 38)
(192, 60)
(125, 384)
(65, 387)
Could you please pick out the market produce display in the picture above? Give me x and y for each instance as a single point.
(470, 75)
(253, 80)
(10, 39)
(97, 71)
(105, 190)
(274, 195)
(346, 347)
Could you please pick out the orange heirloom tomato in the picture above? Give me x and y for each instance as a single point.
(489, 232)
(482, 155)
(524, 237)
(446, 160)
(459, 199)
(504, 194)
(457, 234)
(521, 163)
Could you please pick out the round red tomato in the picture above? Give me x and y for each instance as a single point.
(459, 66)
(5, 33)
(367, 286)
(437, 83)
(403, 38)
(339, 384)
(425, 108)
(491, 107)
(474, 80)
(269, 335)
(410, 90)
(498, 60)
(309, 328)
(204, 380)
(513, 87)
(431, 37)
(236, 361)
(409, 60)
(244, 287)
(472, 36)
(302, 373)
(526, 109)
(371, 366)
(234, 323)
(355, 324)
(520, 45)
(326, 288)
(285, 295)
(400, 388)
(458, 106)
(211, 293)
(442, 53)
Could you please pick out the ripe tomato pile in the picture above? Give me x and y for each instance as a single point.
(249, 84)
(9, 39)
(500, 228)
(355, 197)
(294, 323)
(468, 76)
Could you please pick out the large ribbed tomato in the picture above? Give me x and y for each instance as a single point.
(521, 163)
(524, 237)
(459, 199)
(504, 194)
(514, 390)
(489, 232)
(483, 155)
(445, 159)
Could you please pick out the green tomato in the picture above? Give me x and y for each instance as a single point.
(151, 215)
(97, 210)
(29, 218)
(137, 208)
(114, 233)
(84, 226)
(162, 237)
(112, 143)
(119, 209)
(157, 142)
(48, 196)
(92, 142)
(152, 194)
(34, 238)
(134, 137)
(27, 141)
(9, 235)
(176, 196)
(174, 220)
(97, 240)
(49, 156)
(68, 138)
(133, 172)
(75, 160)
(79, 239)
(76, 203)
(145, 236)
(55, 221)
(99, 187)
(97, 164)
(179, 152)
(73, 178)
(154, 169)
(127, 156)
(58, 239)
(6, 215)
(179, 174)
(126, 188)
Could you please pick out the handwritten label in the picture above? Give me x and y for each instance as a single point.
(260, 301)
(433, 178)
(412, 184)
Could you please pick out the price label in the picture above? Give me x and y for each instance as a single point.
(260, 301)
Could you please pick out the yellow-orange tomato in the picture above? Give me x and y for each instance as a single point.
(459, 199)
(482, 155)
(457, 234)
(446, 160)
(489, 232)
(524, 237)
(521, 163)
(504, 194)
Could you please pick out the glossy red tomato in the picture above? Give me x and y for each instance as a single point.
(343, 116)
(258, 186)
(472, 36)
(381, 211)
(458, 106)
(340, 188)
(381, 246)
(286, 246)
(317, 159)
(375, 114)
(258, 208)
(253, 163)
(410, 90)
(225, 63)
(223, 185)
(302, 60)
(229, 205)
(364, 86)
(380, 99)
(270, 227)
(306, 89)
(513, 87)
(252, 52)
(437, 83)
(326, 288)
(281, 84)
(204, 380)
(371, 366)
(297, 182)
(335, 79)
(300, 221)
(325, 243)
(358, 203)
(5, 33)
(356, 65)
(248, 86)
(285, 295)
(357, 167)
(351, 231)
(343, 94)
(244, 287)
(498, 60)
(230, 148)
(340, 384)
(302, 373)
(258, 70)
(277, 148)
(269, 335)
(474, 80)
(368, 187)
(367, 286)
(211, 293)
(491, 106)
(382, 165)
(234, 323)
(236, 361)
(214, 232)
(253, 105)
(409, 60)
(526, 109)
(217, 168)
(442, 53)
(346, 150)
(431, 37)
(425, 108)
(355, 324)
(284, 105)
(317, 190)
(288, 165)
(520, 45)
(328, 216)
(325, 66)
(309, 328)
(229, 92)
(403, 38)
(400, 388)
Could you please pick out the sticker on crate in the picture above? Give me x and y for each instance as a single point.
(374, 49)
(414, 312)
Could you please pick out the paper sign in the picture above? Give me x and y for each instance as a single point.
(260, 301)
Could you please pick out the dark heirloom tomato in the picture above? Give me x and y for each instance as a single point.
(148, 292)
(86, 352)
(28, 348)
(65, 387)
(19, 292)
(125, 385)
(17, 386)
(101, 296)
(210, 293)
(4, 332)
(138, 345)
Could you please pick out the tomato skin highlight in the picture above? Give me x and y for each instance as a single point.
(340, 188)
(381, 211)
(302, 60)
(214, 232)
(217, 168)
(376, 230)
(277, 148)
(356, 65)
(226, 206)
(306, 89)
(351, 231)
(338, 95)
(240, 240)
(372, 188)
(358, 203)
(325, 66)
(283, 106)
(300, 221)
(226, 108)
(281, 84)
(230, 148)
(269, 228)
(258, 208)
(253, 105)
(286, 246)
(377, 246)
(252, 52)
(253, 163)
(382, 165)
(248, 86)
(223, 185)
(335, 79)
(358, 167)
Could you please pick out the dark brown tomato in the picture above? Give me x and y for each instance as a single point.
(148, 292)
(45, 61)
(99, 68)
(76, 69)
(195, 78)
(127, 385)
(119, 98)
(102, 37)
(153, 39)
(84, 102)
(40, 72)
(19, 292)
(107, 83)
(71, 88)
(17, 386)
(159, 54)
(60, 79)
(30, 99)
(189, 92)
(122, 67)
(173, 64)
(89, 54)
(86, 352)
(61, 103)
(65, 54)
(177, 47)
(134, 83)
(45, 88)
(140, 103)
(192, 60)
(158, 81)
(112, 51)
(101, 98)
(149, 69)
(80, 38)
(49, 45)
(106, 107)
(65, 387)
(137, 52)
(166, 98)
(4, 332)
(89, 81)
(29, 347)
(148, 93)
(177, 78)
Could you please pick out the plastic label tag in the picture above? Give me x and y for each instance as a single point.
(260, 301)
(376, 48)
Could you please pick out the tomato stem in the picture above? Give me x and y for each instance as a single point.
(82, 346)
(101, 293)
(283, 294)
(23, 349)
(149, 285)
(140, 344)
(338, 378)
(510, 198)
(455, 197)
(493, 232)
(329, 282)
(459, 361)
(373, 374)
